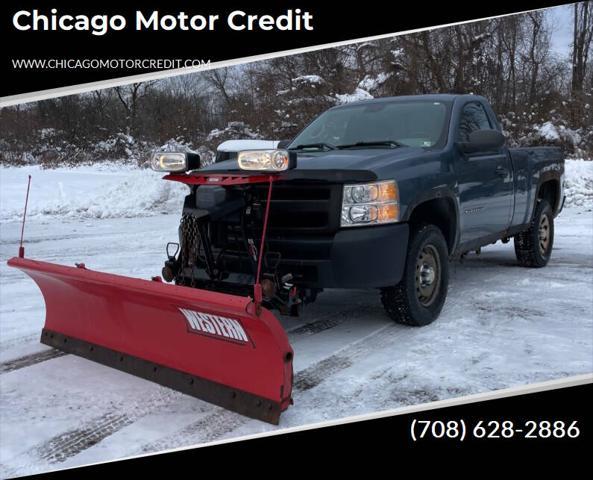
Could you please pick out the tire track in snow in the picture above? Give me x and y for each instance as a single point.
(208, 429)
(51, 238)
(222, 422)
(71, 443)
(68, 444)
(13, 342)
(326, 322)
(29, 360)
(212, 426)
(8, 471)
(312, 376)
(74, 441)
(215, 425)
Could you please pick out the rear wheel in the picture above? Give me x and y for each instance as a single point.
(533, 247)
(419, 297)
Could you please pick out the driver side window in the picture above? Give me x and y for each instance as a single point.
(473, 117)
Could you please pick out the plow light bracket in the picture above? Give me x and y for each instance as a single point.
(174, 161)
(274, 160)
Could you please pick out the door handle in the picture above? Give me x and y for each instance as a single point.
(501, 171)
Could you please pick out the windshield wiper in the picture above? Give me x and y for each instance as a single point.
(378, 143)
(327, 146)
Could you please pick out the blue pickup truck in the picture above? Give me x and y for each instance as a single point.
(378, 194)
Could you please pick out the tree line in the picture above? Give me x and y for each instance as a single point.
(540, 96)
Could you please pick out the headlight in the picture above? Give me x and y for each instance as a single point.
(370, 204)
(266, 160)
(174, 161)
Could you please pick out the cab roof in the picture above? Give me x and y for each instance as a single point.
(435, 97)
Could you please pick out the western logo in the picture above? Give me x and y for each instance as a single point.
(215, 325)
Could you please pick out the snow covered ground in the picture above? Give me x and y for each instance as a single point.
(502, 326)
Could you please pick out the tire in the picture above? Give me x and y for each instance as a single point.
(533, 246)
(418, 298)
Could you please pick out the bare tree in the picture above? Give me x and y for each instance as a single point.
(129, 96)
(581, 44)
(507, 60)
(537, 51)
(220, 79)
(510, 38)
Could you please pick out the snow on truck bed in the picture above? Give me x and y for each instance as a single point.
(501, 326)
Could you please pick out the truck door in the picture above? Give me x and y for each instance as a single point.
(485, 181)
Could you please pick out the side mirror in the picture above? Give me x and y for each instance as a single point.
(483, 141)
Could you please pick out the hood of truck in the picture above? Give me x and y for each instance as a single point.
(369, 159)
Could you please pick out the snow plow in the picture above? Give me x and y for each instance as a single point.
(224, 347)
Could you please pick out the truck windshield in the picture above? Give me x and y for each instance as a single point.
(377, 125)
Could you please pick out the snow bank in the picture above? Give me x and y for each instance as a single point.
(111, 190)
(98, 191)
(578, 183)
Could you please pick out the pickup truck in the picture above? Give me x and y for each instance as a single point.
(380, 194)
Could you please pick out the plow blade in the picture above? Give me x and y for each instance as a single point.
(211, 345)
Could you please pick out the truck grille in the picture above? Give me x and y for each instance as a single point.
(303, 220)
(302, 208)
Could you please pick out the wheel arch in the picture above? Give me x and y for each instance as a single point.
(440, 210)
(550, 189)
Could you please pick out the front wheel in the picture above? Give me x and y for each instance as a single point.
(533, 247)
(419, 297)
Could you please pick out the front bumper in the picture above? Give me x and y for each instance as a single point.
(359, 257)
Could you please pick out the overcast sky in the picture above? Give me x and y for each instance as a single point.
(561, 21)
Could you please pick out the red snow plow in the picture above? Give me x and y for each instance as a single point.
(215, 346)
(205, 336)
